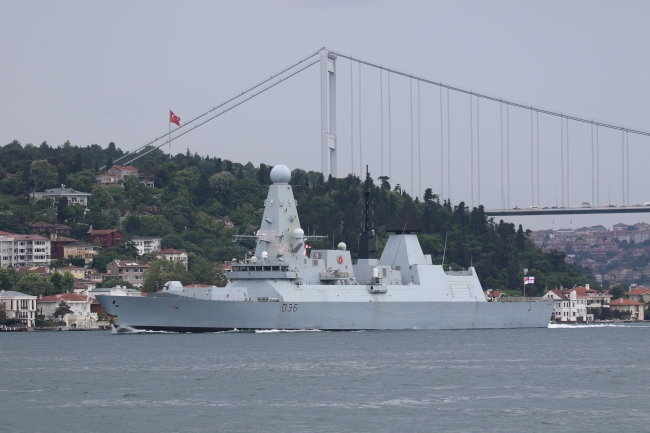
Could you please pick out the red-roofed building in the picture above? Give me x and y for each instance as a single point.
(173, 255)
(635, 308)
(640, 294)
(43, 227)
(107, 238)
(571, 304)
(81, 316)
(58, 243)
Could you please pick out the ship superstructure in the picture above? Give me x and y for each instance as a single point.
(280, 287)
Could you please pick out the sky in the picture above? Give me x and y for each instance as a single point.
(96, 72)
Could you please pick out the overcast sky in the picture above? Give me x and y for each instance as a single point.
(96, 72)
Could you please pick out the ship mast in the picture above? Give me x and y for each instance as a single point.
(368, 244)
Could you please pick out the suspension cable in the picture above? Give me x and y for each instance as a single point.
(360, 149)
(239, 95)
(411, 107)
(532, 175)
(508, 150)
(503, 200)
(225, 110)
(352, 119)
(568, 170)
(471, 148)
(478, 147)
(381, 110)
(493, 98)
(537, 123)
(419, 148)
(390, 136)
(562, 152)
(448, 150)
(623, 164)
(442, 158)
(627, 152)
(597, 168)
(593, 171)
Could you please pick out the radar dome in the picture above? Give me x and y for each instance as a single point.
(280, 174)
(298, 233)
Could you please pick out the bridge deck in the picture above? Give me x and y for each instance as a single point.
(567, 211)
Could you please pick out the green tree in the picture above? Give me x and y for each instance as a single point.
(61, 205)
(6, 279)
(41, 173)
(62, 310)
(68, 282)
(618, 291)
(113, 282)
(160, 271)
(56, 280)
(3, 314)
(205, 272)
(35, 285)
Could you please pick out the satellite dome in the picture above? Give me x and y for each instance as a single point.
(342, 246)
(298, 233)
(280, 174)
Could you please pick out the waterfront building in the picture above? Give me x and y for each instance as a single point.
(571, 304)
(19, 306)
(640, 294)
(114, 291)
(635, 308)
(81, 316)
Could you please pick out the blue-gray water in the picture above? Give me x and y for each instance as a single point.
(561, 380)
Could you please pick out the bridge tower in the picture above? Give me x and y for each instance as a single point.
(328, 112)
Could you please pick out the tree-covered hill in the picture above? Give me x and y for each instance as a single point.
(193, 195)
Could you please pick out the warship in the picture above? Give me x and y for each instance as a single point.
(282, 287)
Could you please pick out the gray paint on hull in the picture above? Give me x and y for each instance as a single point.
(189, 314)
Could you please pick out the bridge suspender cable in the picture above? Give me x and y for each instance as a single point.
(471, 148)
(448, 151)
(360, 149)
(508, 150)
(381, 111)
(411, 107)
(537, 122)
(225, 110)
(568, 170)
(532, 151)
(562, 155)
(390, 136)
(352, 119)
(442, 183)
(623, 165)
(419, 148)
(627, 152)
(478, 147)
(503, 200)
(239, 95)
(597, 168)
(593, 171)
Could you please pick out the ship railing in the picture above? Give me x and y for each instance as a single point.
(520, 299)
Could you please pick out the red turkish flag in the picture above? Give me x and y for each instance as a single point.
(174, 118)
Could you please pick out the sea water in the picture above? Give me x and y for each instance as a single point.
(561, 379)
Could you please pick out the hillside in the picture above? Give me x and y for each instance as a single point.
(195, 199)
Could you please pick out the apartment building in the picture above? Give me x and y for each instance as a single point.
(18, 251)
(132, 272)
(147, 244)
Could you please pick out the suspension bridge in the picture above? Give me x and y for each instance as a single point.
(480, 171)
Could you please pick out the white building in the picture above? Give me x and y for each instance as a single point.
(19, 251)
(19, 306)
(147, 244)
(173, 255)
(73, 196)
(81, 316)
(571, 304)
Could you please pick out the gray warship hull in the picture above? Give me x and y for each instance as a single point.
(175, 313)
